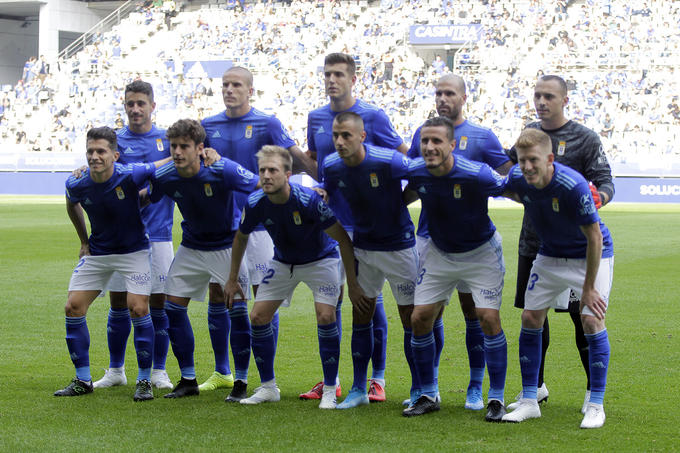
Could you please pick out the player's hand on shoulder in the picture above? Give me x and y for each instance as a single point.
(592, 299)
(322, 193)
(78, 172)
(209, 156)
(233, 292)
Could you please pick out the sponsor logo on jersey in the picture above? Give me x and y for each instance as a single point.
(374, 180)
(296, 218)
(587, 204)
(561, 148)
(249, 131)
(159, 144)
(556, 205)
(247, 175)
(463, 143)
(216, 134)
(207, 189)
(324, 211)
(119, 193)
(456, 191)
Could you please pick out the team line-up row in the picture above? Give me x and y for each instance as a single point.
(229, 176)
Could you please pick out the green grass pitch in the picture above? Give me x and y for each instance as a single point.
(38, 249)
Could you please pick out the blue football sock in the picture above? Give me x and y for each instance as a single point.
(474, 341)
(438, 332)
(338, 317)
(118, 329)
(275, 326)
(530, 360)
(161, 341)
(78, 343)
(329, 350)
(362, 349)
(144, 346)
(181, 338)
(496, 353)
(239, 338)
(218, 324)
(408, 352)
(264, 350)
(379, 340)
(424, 349)
(599, 364)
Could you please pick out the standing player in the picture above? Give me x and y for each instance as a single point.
(142, 141)
(301, 226)
(205, 199)
(479, 144)
(465, 248)
(109, 193)
(340, 77)
(238, 133)
(576, 254)
(368, 180)
(580, 148)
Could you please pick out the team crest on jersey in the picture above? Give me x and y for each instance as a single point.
(561, 148)
(374, 180)
(456, 191)
(119, 193)
(159, 144)
(249, 131)
(463, 143)
(207, 189)
(296, 218)
(556, 205)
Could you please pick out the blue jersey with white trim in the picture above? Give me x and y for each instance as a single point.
(206, 201)
(473, 142)
(379, 132)
(240, 138)
(147, 148)
(113, 208)
(456, 205)
(372, 191)
(296, 226)
(559, 210)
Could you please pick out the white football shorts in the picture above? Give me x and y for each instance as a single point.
(192, 270)
(322, 277)
(552, 278)
(161, 258)
(399, 268)
(482, 270)
(93, 272)
(259, 253)
(422, 243)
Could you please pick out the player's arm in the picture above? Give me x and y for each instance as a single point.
(598, 170)
(160, 163)
(232, 287)
(356, 294)
(209, 155)
(403, 148)
(505, 168)
(303, 162)
(591, 298)
(75, 213)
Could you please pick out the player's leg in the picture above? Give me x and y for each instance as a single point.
(376, 390)
(118, 328)
(259, 253)
(423, 350)
(581, 343)
(144, 343)
(161, 258)
(264, 350)
(474, 343)
(219, 325)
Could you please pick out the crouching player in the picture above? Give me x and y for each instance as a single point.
(302, 228)
(205, 198)
(465, 248)
(576, 253)
(109, 193)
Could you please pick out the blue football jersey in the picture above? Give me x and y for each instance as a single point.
(455, 205)
(559, 210)
(379, 132)
(205, 200)
(296, 227)
(113, 208)
(473, 142)
(239, 139)
(372, 191)
(147, 148)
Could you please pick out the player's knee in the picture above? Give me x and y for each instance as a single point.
(421, 321)
(532, 319)
(325, 318)
(490, 321)
(258, 318)
(591, 324)
(216, 294)
(73, 308)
